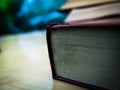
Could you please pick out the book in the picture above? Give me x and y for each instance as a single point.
(94, 12)
(98, 21)
(70, 4)
(86, 54)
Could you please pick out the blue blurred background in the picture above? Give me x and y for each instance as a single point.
(18, 16)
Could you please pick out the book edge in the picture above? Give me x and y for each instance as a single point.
(82, 24)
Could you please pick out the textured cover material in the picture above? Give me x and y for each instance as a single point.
(84, 3)
(86, 55)
(93, 13)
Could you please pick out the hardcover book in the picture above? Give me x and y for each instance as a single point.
(103, 11)
(87, 55)
(70, 4)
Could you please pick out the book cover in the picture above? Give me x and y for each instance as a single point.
(109, 10)
(70, 4)
(87, 55)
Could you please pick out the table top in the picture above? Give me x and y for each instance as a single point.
(24, 64)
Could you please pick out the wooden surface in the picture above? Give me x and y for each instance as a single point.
(24, 64)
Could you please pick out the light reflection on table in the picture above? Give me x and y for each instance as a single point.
(24, 63)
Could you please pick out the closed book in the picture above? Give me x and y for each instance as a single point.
(86, 54)
(103, 11)
(70, 4)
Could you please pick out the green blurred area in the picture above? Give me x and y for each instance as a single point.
(4, 4)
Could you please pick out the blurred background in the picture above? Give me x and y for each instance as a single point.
(18, 16)
(24, 62)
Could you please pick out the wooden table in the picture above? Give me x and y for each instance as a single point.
(24, 64)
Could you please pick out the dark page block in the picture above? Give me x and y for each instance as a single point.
(86, 55)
